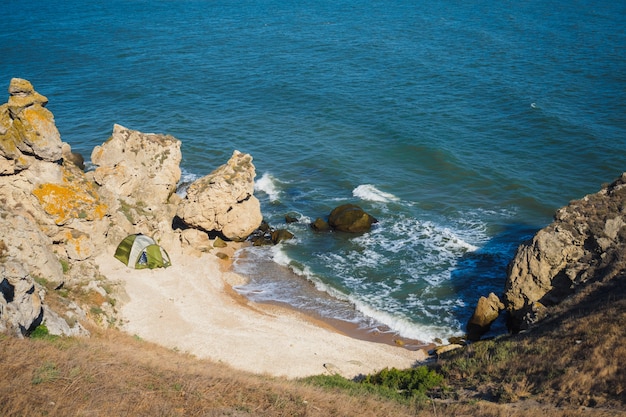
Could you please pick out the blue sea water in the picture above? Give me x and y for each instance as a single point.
(461, 126)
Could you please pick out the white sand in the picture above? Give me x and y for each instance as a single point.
(191, 307)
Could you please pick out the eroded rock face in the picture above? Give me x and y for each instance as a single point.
(223, 201)
(27, 129)
(26, 245)
(138, 167)
(586, 241)
(20, 303)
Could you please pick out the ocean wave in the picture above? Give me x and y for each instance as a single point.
(370, 193)
(405, 327)
(269, 185)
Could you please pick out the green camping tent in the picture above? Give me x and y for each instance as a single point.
(140, 251)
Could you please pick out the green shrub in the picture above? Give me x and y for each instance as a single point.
(41, 332)
(408, 384)
(414, 382)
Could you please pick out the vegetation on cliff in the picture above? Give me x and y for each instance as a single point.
(570, 365)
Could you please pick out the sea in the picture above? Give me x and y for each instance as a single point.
(461, 126)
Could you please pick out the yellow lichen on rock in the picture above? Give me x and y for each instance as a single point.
(70, 200)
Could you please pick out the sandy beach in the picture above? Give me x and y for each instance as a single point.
(191, 307)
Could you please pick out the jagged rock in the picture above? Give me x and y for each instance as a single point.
(58, 326)
(140, 168)
(28, 246)
(223, 201)
(586, 241)
(20, 303)
(291, 218)
(486, 312)
(320, 225)
(27, 129)
(281, 235)
(350, 218)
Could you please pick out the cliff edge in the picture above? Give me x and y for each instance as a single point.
(55, 218)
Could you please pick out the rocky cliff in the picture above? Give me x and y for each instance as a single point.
(54, 217)
(586, 242)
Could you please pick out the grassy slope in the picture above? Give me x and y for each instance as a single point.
(571, 365)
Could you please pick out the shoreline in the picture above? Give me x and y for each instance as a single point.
(343, 327)
(191, 307)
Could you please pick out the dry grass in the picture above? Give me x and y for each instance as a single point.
(112, 374)
(576, 358)
(572, 365)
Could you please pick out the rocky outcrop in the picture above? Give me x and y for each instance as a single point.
(223, 201)
(486, 312)
(27, 129)
(21, 308)
(54, 217)
(350, 218)
(585, 242)
(141, 168)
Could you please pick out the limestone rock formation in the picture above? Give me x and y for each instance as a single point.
(54, 217)
(27, 129)
(223, 201)
(486, 312)
(21, 308)
(585, 242)
(350, 218)
(27, 245)
(138, 167)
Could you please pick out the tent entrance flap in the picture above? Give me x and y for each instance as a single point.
(141, 251)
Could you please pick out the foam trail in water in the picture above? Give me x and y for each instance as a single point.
(269, 185)
(371, 193)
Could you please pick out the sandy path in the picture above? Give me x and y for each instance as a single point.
(190, 307)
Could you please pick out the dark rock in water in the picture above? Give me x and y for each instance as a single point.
(350, 218)
(486, 312)
(264, 227)
(266, 235)
(320, 225)
(281, 235)
(291, 218)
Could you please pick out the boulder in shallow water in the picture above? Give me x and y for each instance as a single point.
(350, 218)
(320, 225)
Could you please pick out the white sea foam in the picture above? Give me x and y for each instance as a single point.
(186, 179)
(403, 326)
(269, 185)
(370, 193)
